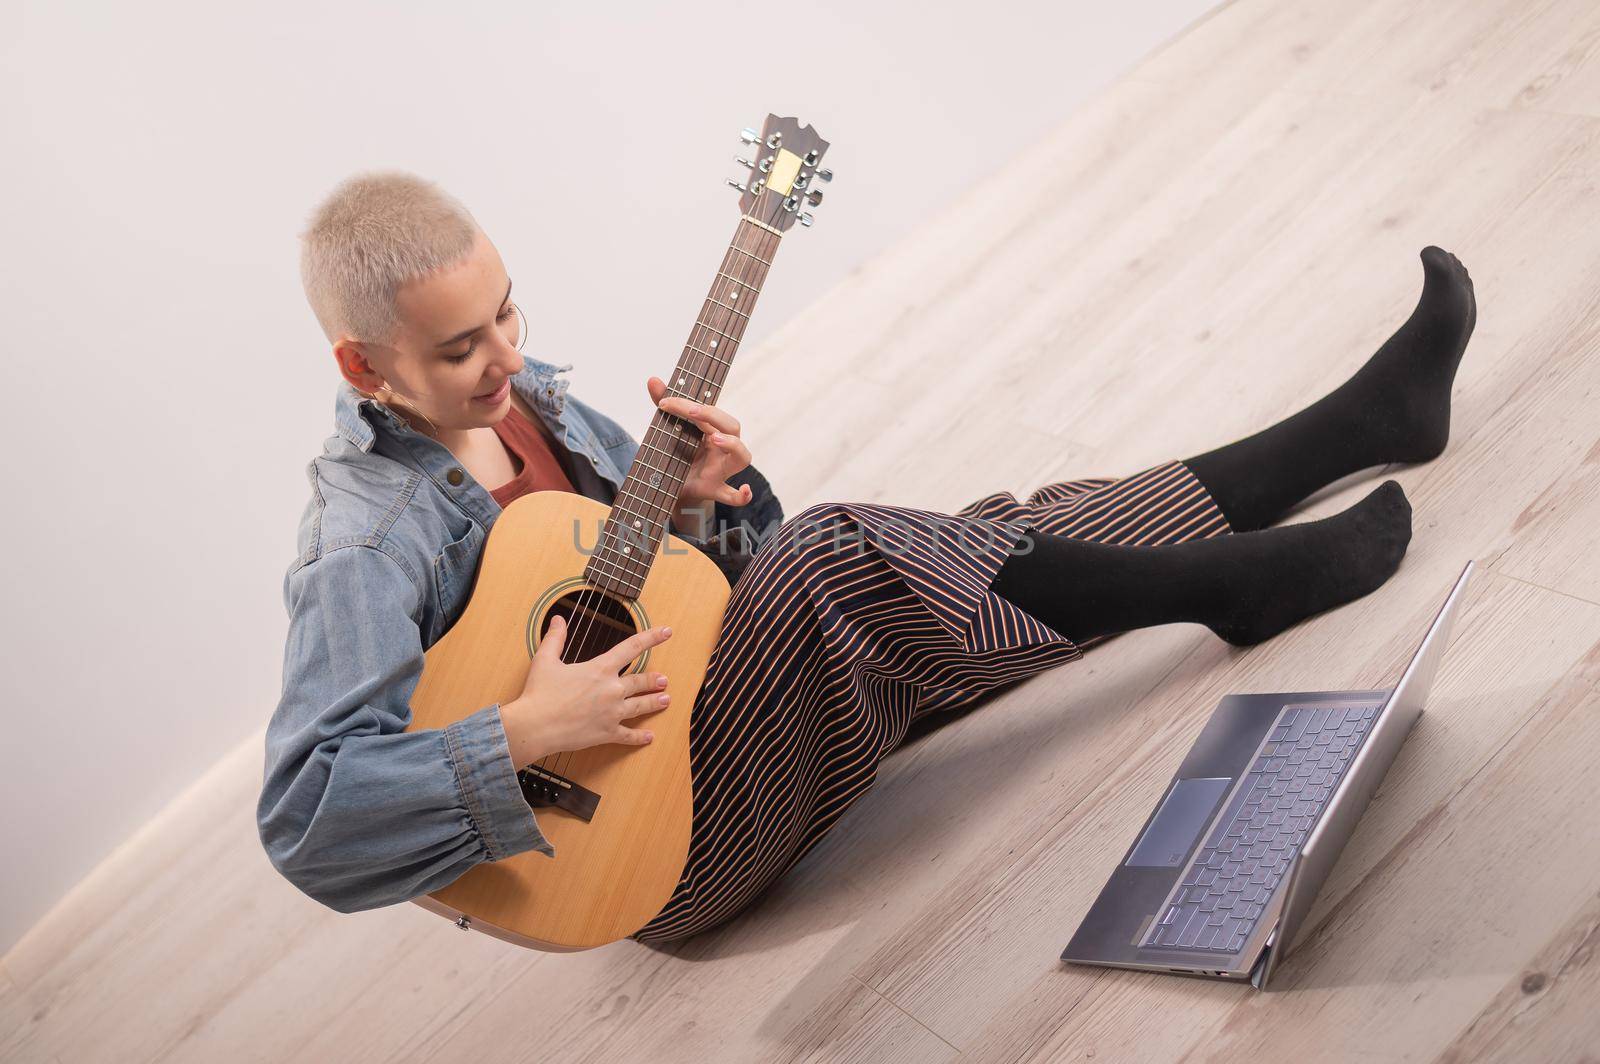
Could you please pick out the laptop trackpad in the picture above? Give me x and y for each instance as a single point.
(1187, 808)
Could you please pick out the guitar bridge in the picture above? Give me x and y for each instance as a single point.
(543, 788)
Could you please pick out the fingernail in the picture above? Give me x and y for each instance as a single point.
(665, 630)
(649, 736)
(663, 699)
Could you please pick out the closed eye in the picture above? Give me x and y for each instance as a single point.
(463, 356)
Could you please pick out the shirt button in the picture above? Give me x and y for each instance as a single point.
(550, 390)
(455, 476)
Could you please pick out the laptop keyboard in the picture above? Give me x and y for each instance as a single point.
(1225, 888)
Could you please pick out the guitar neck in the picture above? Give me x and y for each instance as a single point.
(639, 517)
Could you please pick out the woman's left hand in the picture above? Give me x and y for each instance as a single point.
(720, 455)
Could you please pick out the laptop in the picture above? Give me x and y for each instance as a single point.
(1227, 865)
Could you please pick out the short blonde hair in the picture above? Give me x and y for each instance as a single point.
(373, 233)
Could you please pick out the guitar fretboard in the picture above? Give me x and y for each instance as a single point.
(640, 515)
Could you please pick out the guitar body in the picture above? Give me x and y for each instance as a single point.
(615, 871)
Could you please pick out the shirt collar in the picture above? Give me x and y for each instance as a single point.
(354, 415)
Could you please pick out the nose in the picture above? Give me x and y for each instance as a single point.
(510, 357)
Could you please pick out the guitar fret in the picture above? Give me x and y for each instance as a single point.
(638, 517)
(707, 354)
(692, 398)
(719, 332)
(597, 562)
(626, 491)
(642, 519)
(760, 224)
(729, 309)
(753, 289)
(644, 444)
(752, 254)
(618, 563)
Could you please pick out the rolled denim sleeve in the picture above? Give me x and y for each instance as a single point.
(354, 810)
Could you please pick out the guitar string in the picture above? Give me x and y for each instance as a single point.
(588, 604)
(655, 497)
(589, 599)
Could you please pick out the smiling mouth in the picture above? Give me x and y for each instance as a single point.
(490, 395)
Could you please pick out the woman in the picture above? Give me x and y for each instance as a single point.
(827, 656)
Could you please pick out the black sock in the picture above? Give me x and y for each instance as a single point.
(1245, 587)
(1395, 409)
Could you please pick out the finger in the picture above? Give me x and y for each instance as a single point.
(707, 417)
(639, 705)
(634, 645)
(555, 637)
(732, 446)
(632, 736)
(734, 496)
(643, 683)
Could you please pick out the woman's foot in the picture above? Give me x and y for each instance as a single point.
(1268, 580)
(1395, 408)
(1402, 395)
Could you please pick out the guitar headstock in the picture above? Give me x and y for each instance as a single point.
(785, 167)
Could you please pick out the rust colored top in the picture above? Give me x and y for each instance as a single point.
(539, 470)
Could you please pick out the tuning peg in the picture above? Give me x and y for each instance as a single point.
(814, 197)
(749, 136)
(737, 185)
(745, 162)
(806, 219)
(824, 175)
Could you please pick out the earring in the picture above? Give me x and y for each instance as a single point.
(433, 429)
(524, 318)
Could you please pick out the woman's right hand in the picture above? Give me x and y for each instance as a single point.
(575, 706)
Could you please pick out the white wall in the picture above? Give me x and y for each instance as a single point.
(168, 383)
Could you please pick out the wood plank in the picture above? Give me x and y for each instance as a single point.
(1546, 1012)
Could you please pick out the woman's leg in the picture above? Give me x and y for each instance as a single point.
(1246, 587)
(1395, 409)
(1249, 586)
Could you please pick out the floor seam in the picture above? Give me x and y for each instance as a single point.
(908, 1015)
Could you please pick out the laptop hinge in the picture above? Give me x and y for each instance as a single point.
(1258, 974)
(1260, 969)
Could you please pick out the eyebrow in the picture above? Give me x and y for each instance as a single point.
(463, 334)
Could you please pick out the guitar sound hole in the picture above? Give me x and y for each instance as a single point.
(596, 622)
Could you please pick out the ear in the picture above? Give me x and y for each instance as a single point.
(355, 365)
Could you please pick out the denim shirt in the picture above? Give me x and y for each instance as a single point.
(354, 810)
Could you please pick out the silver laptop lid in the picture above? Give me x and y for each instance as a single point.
(1349, 800)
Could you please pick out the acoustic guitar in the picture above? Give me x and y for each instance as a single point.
(618, 817)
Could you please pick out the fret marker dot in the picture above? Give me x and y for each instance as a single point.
(713, 343)
(625, 550)
(706, 394)
(682, 379)
(734, 296)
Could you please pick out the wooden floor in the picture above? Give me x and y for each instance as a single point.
(1222, 235)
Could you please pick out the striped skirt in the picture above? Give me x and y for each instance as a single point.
(852, 621)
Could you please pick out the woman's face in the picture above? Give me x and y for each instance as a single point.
(456, 349)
